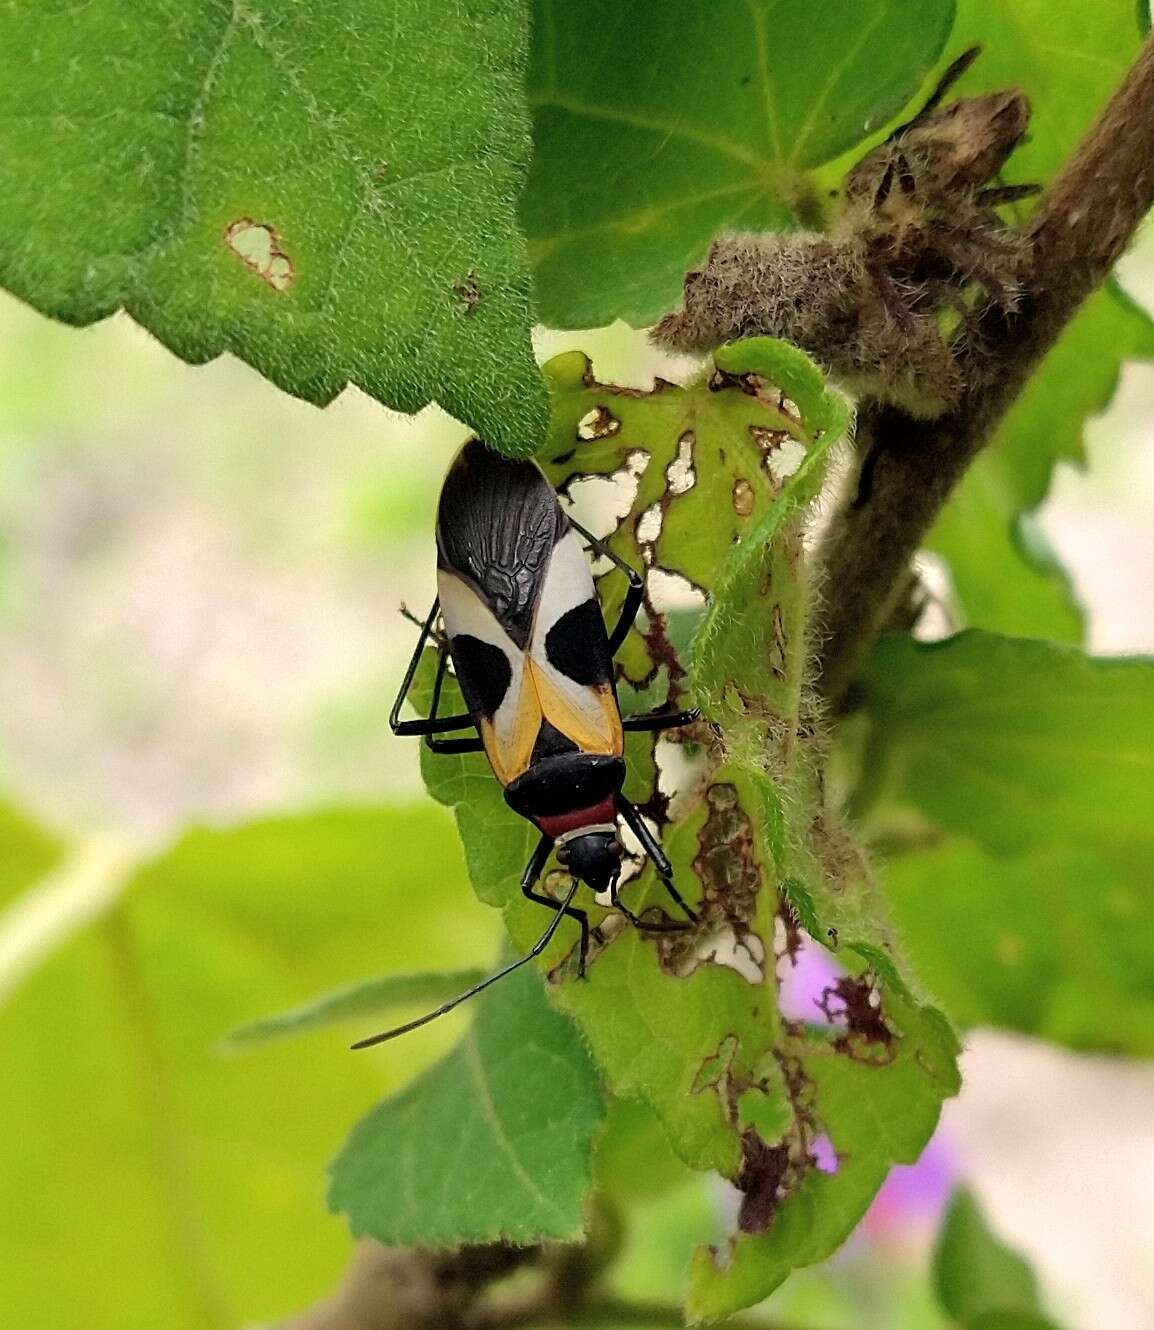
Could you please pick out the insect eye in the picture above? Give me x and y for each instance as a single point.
(563, 855)
(616, 849)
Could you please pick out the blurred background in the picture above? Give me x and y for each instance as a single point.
(200, 638)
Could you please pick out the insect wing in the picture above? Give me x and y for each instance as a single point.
(569, 660)
(493, 675)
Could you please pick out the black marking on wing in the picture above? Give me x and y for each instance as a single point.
(497, 523)
(551, 743)
(577, 645)
(483, 673)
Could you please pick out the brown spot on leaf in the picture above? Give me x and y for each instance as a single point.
(767, 1175)
(468, 291)
(257, 245)
(855, 1003)
(742, 497)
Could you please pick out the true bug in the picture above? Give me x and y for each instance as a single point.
(534, 662)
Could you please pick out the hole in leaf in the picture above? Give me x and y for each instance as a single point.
(682, 772)
(805, 972)
(823, 1154)
(679, 474)
(258, 248)
(602, 502)
(648, 527)
(670, 592)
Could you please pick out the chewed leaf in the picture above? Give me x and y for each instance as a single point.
(875, 1095)
(373, 997)
(709, 484)
(492, 1143)
(318, 189)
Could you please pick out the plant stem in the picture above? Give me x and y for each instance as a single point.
(910, 466)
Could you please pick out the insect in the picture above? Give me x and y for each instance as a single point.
(534, 662)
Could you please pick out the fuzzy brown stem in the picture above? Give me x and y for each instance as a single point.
(910, 466)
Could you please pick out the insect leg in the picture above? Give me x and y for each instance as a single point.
(434, 724)
(645, 925)
(636, 823)
(633, 597)
(563, 908)
(661, 720)
(473, 743)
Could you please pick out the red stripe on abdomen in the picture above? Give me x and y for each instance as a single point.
(560, 823)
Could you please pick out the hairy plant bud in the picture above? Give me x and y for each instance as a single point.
(918, 246)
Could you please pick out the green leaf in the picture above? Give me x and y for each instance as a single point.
(974, 1271)
(759, 603)
(651, 136)
(318, 189)
(1014, 742)
(133, 1146)
(492, 1143)
(1057, 943)
(1004, 582)
(371, 997)
(1013, 1320)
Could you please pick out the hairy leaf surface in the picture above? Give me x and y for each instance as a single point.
(319, 189)
(491, 1143)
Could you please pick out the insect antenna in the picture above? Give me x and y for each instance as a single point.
(537, 948)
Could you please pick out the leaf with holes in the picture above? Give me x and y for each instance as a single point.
(688, 1022)
(492, 1143)
(651, 136)
(874, 1090)
(319, 189)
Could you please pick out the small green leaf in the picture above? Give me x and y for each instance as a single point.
(1001, 582)
(492, 1143)
(752, 640)
(974, 1271)
(688, 1022)
(372, 997)
(318, 189)
(1012, 741)
(653, 134)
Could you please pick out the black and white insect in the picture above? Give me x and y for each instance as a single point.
(534, 661)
